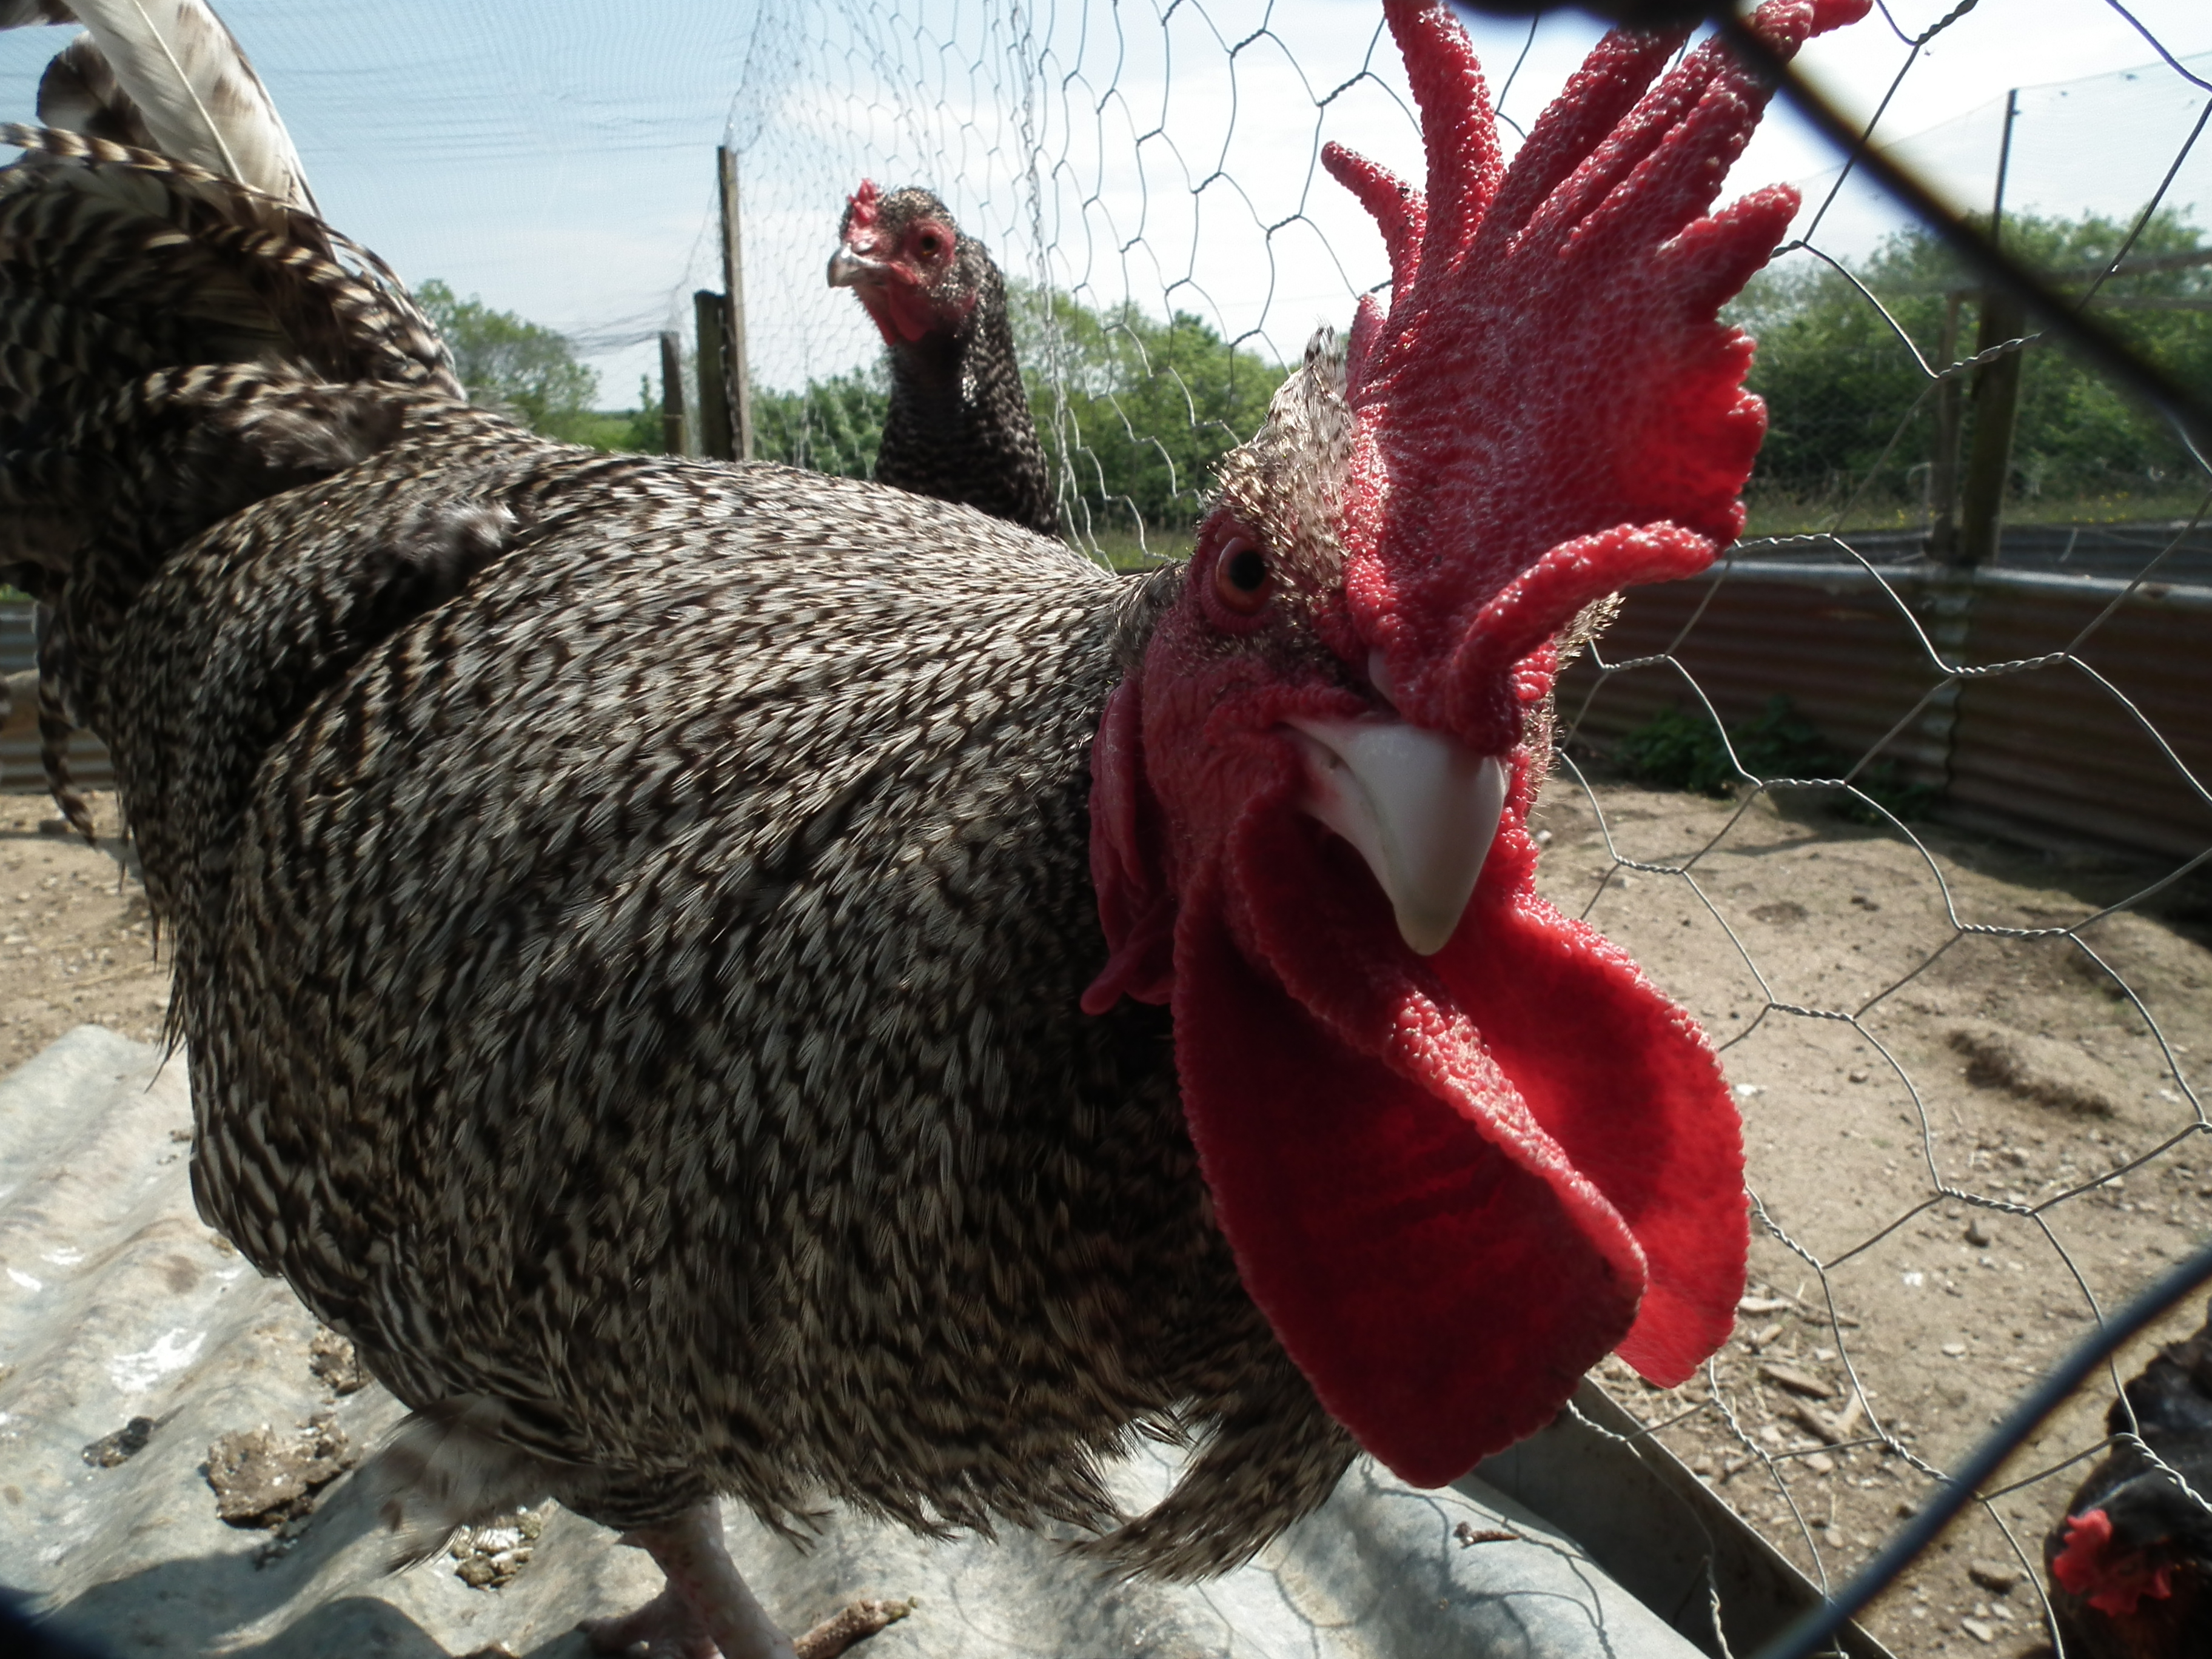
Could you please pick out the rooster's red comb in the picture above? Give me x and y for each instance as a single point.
(1550, 386)
(862, 206)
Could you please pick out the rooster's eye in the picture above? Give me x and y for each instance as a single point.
(1241, 577)
(928, 244)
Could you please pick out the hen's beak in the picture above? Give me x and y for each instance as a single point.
(848, 270)
(1421, 809)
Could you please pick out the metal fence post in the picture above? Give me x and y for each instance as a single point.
(1997, 393)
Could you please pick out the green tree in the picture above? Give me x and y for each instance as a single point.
(520, 368)
(1143, 412)
(834, 426)
(1850, 413)
(1146, 409)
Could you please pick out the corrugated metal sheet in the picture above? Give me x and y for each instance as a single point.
(19, 750)
(2049, 755)
(2121, 551)
(117, 1304)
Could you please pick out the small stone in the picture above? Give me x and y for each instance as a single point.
(1978, 1629)
(1955, 1350)
(1998, 1577)
(1820, 1464)
(125, 1444)
(1977, 1235)
(1859, 1075)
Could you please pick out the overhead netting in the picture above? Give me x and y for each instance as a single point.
(1919, 841)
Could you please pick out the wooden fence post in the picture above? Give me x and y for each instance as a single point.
(708, 308)
(672, 393)
(738, 371)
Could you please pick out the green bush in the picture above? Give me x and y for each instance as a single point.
(1677, 749)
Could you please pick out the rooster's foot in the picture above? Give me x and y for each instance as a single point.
(707, 1612)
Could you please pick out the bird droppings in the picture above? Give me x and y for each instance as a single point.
(263, 1479)
(490, 1556)
(111, 1450)
(331, 1358)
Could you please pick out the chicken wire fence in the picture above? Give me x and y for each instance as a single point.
(1919, 841)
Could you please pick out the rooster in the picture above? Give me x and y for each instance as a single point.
(958, 427)
(2130, 1566)
(711, 1010)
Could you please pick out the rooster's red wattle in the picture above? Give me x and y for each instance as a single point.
(1458, 1162)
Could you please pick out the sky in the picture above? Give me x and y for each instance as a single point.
(557, 158)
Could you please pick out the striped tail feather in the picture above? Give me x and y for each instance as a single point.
(181, 334)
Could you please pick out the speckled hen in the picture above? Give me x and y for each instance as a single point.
(958, 426)
(714, 1011)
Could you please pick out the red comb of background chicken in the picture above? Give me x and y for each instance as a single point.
(2085, 1567)
(862, 206)
(1550, 387)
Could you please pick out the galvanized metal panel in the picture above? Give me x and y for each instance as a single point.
(2047, 756)
(2053, 747)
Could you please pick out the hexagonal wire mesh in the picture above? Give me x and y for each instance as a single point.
(1919, 840)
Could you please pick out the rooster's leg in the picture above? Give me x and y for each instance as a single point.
(707, 1612)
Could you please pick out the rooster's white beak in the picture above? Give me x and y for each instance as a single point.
(1421, 809)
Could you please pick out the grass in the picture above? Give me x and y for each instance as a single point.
(1783, 515)
(1123, 549)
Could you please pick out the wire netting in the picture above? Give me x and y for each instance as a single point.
(1919, 841)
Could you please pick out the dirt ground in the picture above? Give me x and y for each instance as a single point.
(2021, 1070)
(75, 941)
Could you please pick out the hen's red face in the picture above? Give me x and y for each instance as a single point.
(899, 254)
(2112, 1579)
(1461, 1146)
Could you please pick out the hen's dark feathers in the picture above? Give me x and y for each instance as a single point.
(173, 347)
(959, 426)
(2153, 1519)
